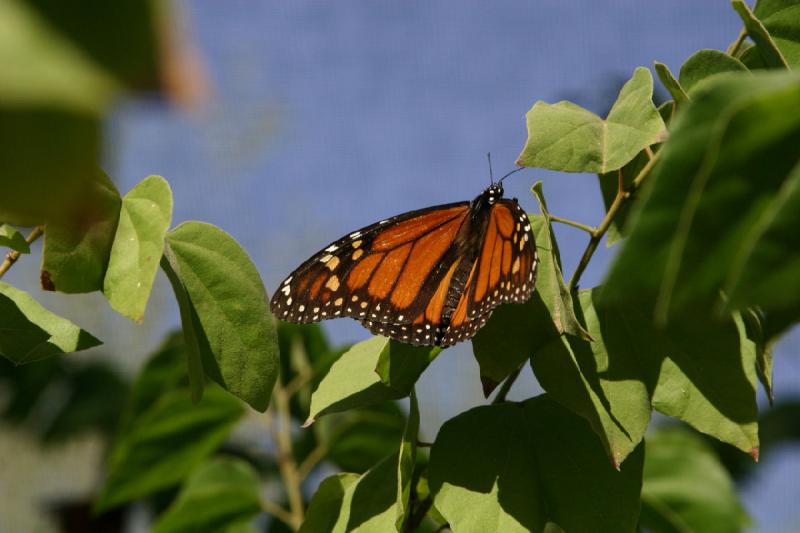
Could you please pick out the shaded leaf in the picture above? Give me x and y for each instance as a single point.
(77, 247)
(369, 504)
(685, 487)
(728, 155)
(671, 84)
(163, 443)
(29, 332)
(145, 215)
(566, 137)
(704, 65)
(407, 458)
(221, 493)
(354, 382)
(11, 238)
(230, 321)
(526, 465)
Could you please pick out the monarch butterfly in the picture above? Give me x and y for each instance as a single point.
(426, 277)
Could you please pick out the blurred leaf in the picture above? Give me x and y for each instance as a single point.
(566, 137)
(407, 458)
(728, 155)
(354, 382)
(326, 505)
(359, 438)
(686, 489)
(765, 46)
(138, 244)
(704, 65)
(231, 324)
(11, 238)
(506, 342)
(609, 183)
(121, 37)
(30, 332)
(514, 467)
(160, 445)
(25, 386)
(77, 248)
(218, 494)
(671, 84)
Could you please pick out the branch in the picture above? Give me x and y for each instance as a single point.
(286, 462)
(418, 513)
(277, 511)
(12, 256)
(623, 196)
(308, 464)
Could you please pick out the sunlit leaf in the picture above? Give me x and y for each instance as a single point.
(515, 467)
(704, 65)
(29, 332)
(566, 137)
(230, 321)
(138, 245)
(326, 505)
(11, 238)
(672, 85)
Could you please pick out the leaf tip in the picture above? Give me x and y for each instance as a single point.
(488, 385)
(310, 420)
(754, 454)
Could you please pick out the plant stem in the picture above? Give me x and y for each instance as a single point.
(308, 464)
(286, 462)
(506, 386)
(735, 45)
(623, 196)
(12, 256)
(277, 511)
(418, 514)
(584, 227)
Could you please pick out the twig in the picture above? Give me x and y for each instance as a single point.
(423, 444)
(308, 464)
(12, 256)
(286, 462)
(584, 227)
(623, 196)
(735, 45)
(506, 386)
(277, 511)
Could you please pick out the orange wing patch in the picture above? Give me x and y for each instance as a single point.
(386, 275)
(411, 229)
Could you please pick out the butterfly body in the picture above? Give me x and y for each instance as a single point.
(426, 277)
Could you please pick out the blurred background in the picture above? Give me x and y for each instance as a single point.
(293, 123)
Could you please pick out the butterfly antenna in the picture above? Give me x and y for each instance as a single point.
(512, 172)
(489, 157)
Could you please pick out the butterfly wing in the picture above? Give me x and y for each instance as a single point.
(386, 273)
(504, 271)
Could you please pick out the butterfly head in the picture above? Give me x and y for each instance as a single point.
(493, 194)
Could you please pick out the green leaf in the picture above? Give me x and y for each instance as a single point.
(29, 332)
(704, 65)
(354, 382)
(326, 505)
(728, 156)
(164, 442)
(671, 84)
(145, 215)
(407, 458)
(686, 488)
(77, 248)
(369, 504)
(11, 238)
(699, 369)
(782, 21)
(515, 467)
(766, 47)
(230, 321)
(608, 381)
(220, 493)
(566, 137)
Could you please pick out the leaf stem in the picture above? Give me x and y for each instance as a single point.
(506, 386)
(286, 461)
(733, 49)
(624, 194)
(277, 511)
(12, 256)
(584, 227)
